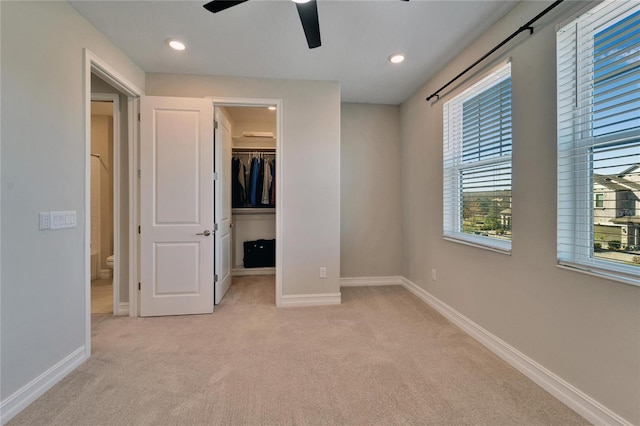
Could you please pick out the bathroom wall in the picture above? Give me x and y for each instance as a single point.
(102, 145)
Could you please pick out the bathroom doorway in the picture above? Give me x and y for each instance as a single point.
(103, 194)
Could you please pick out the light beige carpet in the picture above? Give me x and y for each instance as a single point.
(382, 357)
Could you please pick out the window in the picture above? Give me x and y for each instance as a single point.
(598, 60)
(599, 201)
(477, 163)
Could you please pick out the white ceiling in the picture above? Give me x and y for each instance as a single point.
(264, 39)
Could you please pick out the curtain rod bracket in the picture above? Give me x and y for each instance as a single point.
(525, 28)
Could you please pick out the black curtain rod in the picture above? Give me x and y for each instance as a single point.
(525, 27)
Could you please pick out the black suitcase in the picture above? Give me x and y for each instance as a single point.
(260, 254)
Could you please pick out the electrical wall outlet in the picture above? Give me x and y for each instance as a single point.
(323, 272)
(433, 274)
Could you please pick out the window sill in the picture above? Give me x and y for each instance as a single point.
(609, 275)
(503, 247)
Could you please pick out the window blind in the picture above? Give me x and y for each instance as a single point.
(598, 72)
(477, 162)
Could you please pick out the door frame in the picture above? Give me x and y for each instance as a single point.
(114, 98)
(265, 102)
(94, 64)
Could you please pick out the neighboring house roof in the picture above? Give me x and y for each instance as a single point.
(617, 182)
(506, 212)
(626, 220)
(630, 169)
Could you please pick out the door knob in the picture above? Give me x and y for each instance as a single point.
(206, 233)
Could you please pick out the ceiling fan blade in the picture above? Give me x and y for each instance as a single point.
(216, 6)
(309, 17)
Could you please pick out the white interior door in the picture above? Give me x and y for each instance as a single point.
(222, 205)
(176, 206)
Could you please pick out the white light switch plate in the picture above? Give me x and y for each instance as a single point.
(45, 220)
(63, 219)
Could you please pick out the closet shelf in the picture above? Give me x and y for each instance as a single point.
(253, 210)
(249, 141)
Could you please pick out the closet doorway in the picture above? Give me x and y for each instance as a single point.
(253, 186)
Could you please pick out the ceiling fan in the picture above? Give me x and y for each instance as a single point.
(307, 9)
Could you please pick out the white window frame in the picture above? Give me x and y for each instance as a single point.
(595, 200)
(453, 165)
(575, 161)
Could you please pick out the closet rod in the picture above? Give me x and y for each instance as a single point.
(525, 27)
(253, 150)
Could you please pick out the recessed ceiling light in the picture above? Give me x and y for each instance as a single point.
(396, 58)
(301, 1)
(271, 108)
(177, 45)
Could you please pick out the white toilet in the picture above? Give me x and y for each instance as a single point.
(107, 274)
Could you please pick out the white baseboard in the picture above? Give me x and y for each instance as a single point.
(123, 308)
(38, 386)
(290, 301)
(252, 271)
(573, 397)
(370, 281)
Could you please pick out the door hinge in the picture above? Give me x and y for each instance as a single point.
(139, 174)
(215, 278)
(139, 286)
(138, 229)
(215, 176)
(215, 125)
(138, 116)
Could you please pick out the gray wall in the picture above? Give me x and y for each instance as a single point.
(583, 328)
(311, 162)
(43, 158)
(370, 192)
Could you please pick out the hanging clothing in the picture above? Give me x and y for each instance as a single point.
(243, 181)
(272, 195)
(238, 192)
(253, 180)
(260, 182)
(255, 172)
(266, 185)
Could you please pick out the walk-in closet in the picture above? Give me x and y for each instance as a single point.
(253, 189)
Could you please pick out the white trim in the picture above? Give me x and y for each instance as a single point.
(573, 397)
(233, 101)
(468, 240)
(92, 63)
(297, 300)
(370, 281)
(111, 76)
(123, 309)
(238, 272)
(609, 275)
(133, 109)
(24, 396)
(115, 99)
